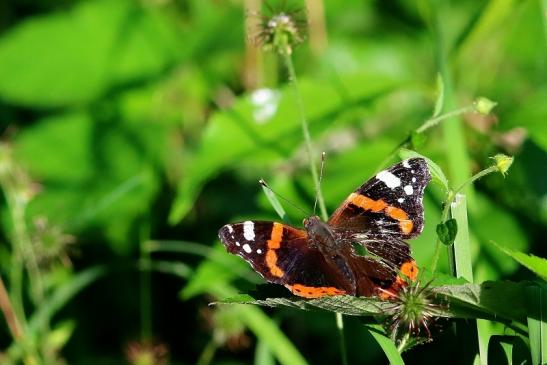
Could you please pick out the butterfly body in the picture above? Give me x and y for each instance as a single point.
(321, 259)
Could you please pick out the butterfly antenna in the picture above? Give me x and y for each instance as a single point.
(323, 155)
(265, 184)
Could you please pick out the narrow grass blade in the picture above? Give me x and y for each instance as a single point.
(463, 267)
(387, 345)
(275, 203)
(62, 296)
(178, 269)
(263, 355)
(265, 329)
(537, 323)
(439, 104)
(538, 265)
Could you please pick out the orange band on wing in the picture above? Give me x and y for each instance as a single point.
(408, 269)
(366, 203)
(273, 244)
(314, 292)
(376, 206)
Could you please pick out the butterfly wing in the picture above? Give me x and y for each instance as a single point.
(282, 255)
(390, 203)
(379, 215)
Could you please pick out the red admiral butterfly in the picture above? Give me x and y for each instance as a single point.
(324, 259)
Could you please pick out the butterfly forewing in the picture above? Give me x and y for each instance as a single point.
(283, 255)
(390, 203)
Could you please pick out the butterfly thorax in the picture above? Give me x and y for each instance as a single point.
(320, 233)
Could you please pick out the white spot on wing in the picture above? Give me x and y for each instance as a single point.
(389, 179)
(249, 230)
(259, 251)
(413, 179)
(400, 200)
(230, 229)
(408, 189)
(406, 164)
(238, 244)
(247, 248)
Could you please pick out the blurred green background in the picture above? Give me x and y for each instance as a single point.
(133, 129)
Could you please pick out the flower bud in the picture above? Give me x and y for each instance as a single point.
(503, 162)
(484, 105)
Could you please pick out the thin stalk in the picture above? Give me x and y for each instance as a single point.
(208, 353)
(342, 337)
(305, 130)
(284, 51)
(9, 314)
(146, 286)
(434, 121)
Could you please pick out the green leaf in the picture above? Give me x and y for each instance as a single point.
(70, 57)
(502, 301)
(64, 144)
(494, 300)
(537, 265)
(344, 304)
(447, 231)
(267, 141)
(437, 175)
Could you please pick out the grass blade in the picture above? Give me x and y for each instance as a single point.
(62, 296)
(264, 328)
(537, 323)
(461, 263)
(263, 355)
(275, 202)
(387, 345)
(461, 249)
(439, 104)
(537, 265)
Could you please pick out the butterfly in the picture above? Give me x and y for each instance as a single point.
(359, 251)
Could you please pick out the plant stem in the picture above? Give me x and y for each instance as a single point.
(434, 121)
(285, 53)
(342, 337)
(208, 353)
(305, 130)
(146, 286)
(9, 314)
